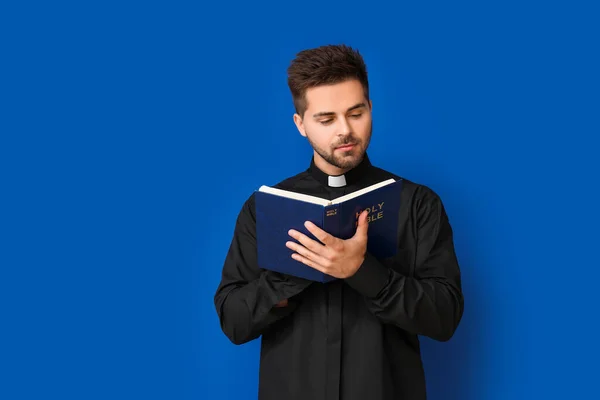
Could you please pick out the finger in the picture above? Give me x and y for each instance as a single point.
(363, 225)
(282, 303)
(319, 233)
(307, 242)
(310, 263)
(306, 253)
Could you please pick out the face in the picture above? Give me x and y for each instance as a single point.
(337, 124)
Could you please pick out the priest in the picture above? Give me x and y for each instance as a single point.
(356, 337)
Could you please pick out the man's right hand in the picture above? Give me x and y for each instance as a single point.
(282, 303)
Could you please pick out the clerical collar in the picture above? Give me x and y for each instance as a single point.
(336, 181)
(349, 178)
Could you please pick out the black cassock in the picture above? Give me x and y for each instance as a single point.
(352, 339)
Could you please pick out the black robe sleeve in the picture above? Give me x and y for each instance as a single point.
(246, 296)
(430, 303)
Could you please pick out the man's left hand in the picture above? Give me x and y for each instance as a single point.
(333, 256)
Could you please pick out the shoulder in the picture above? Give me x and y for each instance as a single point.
(418, 196)
(293, 181)
(289, 183)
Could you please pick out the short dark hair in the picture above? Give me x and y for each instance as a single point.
(324, 65)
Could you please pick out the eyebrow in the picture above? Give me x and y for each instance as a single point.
(330, 113)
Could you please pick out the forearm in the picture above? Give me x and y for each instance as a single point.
(431, 306)
(246, 310)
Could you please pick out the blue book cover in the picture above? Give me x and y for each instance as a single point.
(278, 211)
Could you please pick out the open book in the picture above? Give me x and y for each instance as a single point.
(278, 211)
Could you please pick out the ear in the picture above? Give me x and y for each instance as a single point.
(299, 124)
(371, 104)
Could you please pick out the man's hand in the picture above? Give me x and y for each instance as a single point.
(282, 303)
(336, 257)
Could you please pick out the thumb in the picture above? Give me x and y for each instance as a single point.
(363, 225)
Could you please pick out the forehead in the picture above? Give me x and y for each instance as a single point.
(335, 98)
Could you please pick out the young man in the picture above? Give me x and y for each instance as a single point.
(355, 338)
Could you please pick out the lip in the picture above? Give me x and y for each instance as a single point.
(345, 147)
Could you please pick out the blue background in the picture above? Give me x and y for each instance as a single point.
(131, 133)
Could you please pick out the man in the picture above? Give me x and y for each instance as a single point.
(355, 338)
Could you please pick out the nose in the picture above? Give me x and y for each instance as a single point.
(345, 128)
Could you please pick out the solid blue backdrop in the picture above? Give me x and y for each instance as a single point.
(131, 134)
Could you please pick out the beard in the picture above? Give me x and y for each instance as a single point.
(344, 159)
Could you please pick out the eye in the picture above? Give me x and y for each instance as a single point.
(326, 121)
(356, 115)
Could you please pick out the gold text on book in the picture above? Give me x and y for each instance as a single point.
(375, 213)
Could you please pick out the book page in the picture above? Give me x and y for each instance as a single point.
(362, 191)
(293, 195)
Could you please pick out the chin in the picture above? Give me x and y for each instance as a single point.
(349, 160)
(354, 154)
